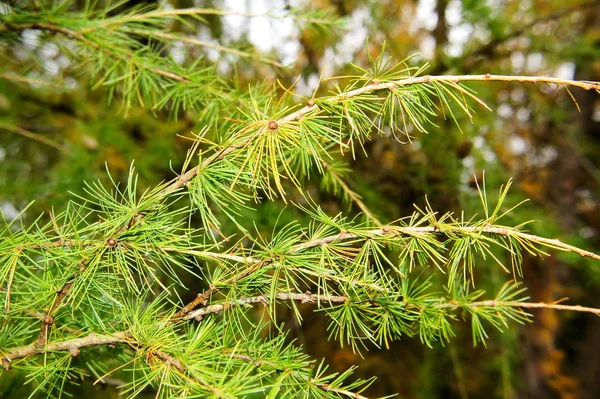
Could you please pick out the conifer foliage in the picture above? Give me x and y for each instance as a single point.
(92, 291)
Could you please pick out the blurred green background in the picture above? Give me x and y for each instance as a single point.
(52, 139)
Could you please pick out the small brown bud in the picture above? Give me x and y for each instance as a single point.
(48, 320)
(273, 125)
(487, 76)
(74, 352)
(111, 242)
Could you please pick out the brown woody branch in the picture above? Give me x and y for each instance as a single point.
(263, 299)
(331, 299)
(72, 345)
(93, 339)
(123, 337)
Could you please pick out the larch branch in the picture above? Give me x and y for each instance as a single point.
(186, 177)
(123, 336)
(70, 345)
(263, 299)
(79, 35)
(257, 263)
(490, 229)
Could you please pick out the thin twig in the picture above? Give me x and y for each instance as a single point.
(331, 299)
(170, 75)
(202, 43)
(33, 136)
(23, 79)
(587, 85)
(384, 230)
(536, 305)
(48, 320)
(50, 27)
(304, 298)
(344, 392)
